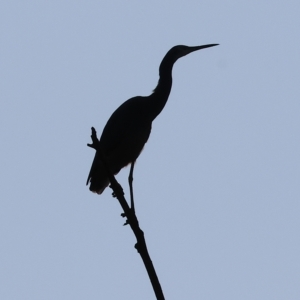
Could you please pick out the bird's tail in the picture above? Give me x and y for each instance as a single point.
(97, 178)
(97, 185)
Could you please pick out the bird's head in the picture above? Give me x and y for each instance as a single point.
(181, 50)
(175, 53)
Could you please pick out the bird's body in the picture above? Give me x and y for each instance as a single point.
(122, 140)
(129, 127)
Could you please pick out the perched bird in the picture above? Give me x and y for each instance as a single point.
(129, 127)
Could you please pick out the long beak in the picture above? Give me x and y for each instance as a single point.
(195, 48)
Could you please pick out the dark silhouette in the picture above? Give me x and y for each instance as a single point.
(129, 127)
(123, 139)
(132, 220)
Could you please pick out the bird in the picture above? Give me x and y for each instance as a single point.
(129, 127)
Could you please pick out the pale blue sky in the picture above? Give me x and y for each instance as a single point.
(217, 185)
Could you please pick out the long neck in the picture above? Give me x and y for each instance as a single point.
(162, 91)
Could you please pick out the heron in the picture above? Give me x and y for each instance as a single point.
(128, 129)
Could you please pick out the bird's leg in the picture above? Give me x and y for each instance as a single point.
(130, 180)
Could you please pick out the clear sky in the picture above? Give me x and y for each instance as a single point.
(217, 185)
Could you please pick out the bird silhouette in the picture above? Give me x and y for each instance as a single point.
(129, 127)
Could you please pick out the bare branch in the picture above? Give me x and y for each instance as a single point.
(132, 220)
